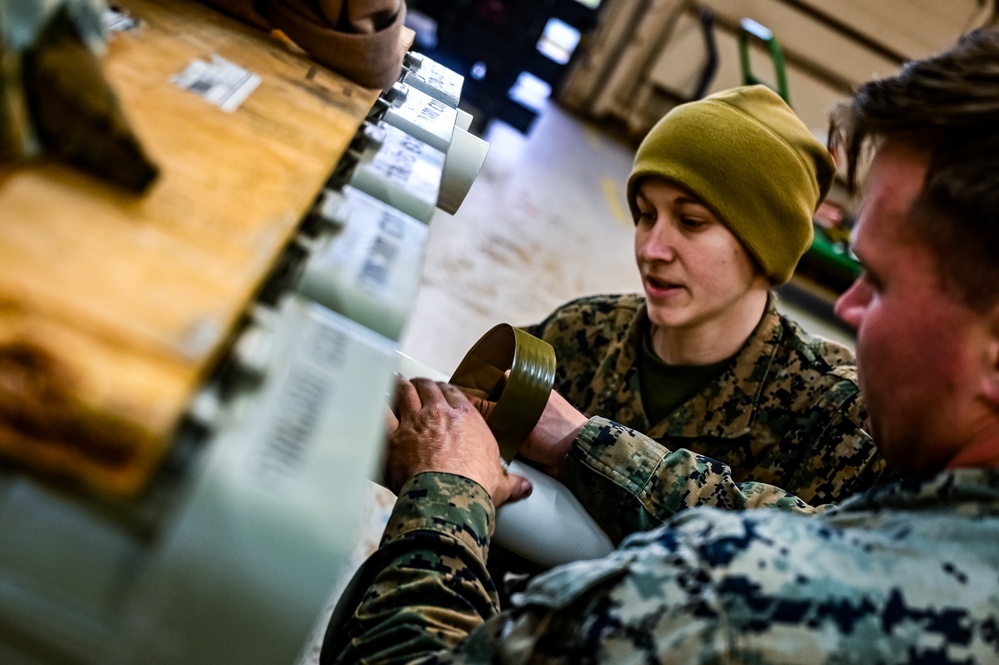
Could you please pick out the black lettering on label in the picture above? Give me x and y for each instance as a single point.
(377, 267)
(378, 264)
(400, 172)
(290, 433)
(432, 111)
(327, 346)
(391, 226)
(412, 145)
(401, 165)
(435, 77)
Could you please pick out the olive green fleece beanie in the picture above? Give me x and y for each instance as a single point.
(750, 159)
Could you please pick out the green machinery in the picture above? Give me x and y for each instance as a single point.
(829, 253)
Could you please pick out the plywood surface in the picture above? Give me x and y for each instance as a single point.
(114, 307)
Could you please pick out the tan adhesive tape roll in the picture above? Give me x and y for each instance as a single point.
(520, 398)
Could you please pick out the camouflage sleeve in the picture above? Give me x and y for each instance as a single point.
(629, 482)
(430, 586)
(846, 460)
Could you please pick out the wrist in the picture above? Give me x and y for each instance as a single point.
(446, 503)
(564, 448)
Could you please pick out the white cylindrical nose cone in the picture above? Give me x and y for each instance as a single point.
(462, 163)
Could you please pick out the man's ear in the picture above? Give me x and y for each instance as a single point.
(990, 377)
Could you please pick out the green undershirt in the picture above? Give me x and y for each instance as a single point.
(665, 386)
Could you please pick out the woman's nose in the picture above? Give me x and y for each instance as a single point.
(658, 243)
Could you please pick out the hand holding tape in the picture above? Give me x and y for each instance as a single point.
(517, 370)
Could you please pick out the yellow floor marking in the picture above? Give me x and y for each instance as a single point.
(610, 187)
(593, 137)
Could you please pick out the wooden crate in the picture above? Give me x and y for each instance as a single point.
(115, 307)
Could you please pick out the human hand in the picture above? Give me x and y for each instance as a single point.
(391, 421)
(440, 430)
(550, 440)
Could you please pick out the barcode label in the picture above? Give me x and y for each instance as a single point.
(291, 433)
(440, 77)
(219, 82)
(378, 264)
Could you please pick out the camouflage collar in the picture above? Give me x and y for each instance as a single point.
(977, 488)
(726, 408)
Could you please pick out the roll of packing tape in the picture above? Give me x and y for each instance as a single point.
(522, 395)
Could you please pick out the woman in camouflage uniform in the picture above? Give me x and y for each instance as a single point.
(722, 193)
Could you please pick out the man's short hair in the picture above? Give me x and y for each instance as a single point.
(947, 105)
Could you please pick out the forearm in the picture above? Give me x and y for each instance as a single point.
(630, 482)
(431, 587)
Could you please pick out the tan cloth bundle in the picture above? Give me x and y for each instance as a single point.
(361, 39)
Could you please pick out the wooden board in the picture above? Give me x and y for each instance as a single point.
(114, 307)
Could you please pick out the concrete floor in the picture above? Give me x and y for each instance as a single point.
(546, 221)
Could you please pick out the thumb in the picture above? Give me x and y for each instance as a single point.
(391, 421)
(512, 488)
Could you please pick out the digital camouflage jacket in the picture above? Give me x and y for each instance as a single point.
(787, 412)
(904, 573)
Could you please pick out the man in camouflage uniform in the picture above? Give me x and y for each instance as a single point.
(905, 572)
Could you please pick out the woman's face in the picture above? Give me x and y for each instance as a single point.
(695, 272)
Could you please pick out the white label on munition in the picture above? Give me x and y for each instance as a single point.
(424, 117)
(440, 78)
(289, 435)
(403, 172)
(404, 160)
(303, 395)
(378, 265)
(369, 269)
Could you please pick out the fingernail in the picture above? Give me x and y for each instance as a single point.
(526, 488)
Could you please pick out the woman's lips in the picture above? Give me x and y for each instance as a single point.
(659, 288)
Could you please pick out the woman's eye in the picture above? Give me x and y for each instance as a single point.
(645, 217)
(692, 223)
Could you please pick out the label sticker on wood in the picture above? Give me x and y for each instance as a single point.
(116, 19)
(220, 82)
